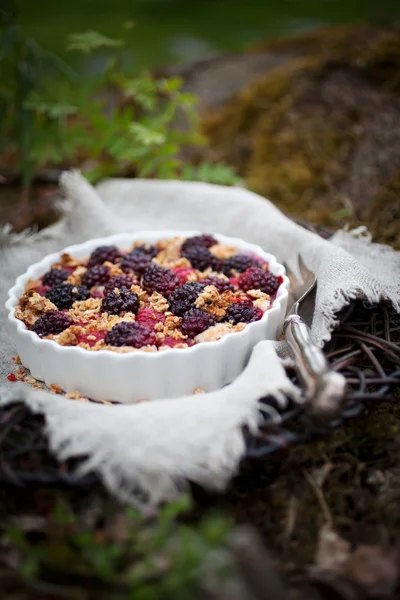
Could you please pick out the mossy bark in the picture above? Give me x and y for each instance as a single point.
(320, 133)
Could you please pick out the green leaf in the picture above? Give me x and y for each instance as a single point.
(211, 173)
(88, 41)
(52, 111)
(147, 136)
(143, 90)
(170, 511)
(172, 84)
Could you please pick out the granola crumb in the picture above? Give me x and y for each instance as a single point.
(31, 306)
(158, 302)
(70, 336)
(198, 391)
(211, 301)
(86, 308)
(260, 299)
(222, 251)
(218, 331)
(55, 389)
(66, 260)
(17, 360)
(76, 276)
(76, 396)
(21, 373)
(32, 284)
(114, 269)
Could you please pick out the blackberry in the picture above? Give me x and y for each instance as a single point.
(103, 254)
(239, 263)
(136, 261)
(196, 321)
(53, 321)
(97, 275)
(151, 251)
(65, 294)
(123, 301)
(221, 284)
(201, 258)
(183, 298)
(258, 279)
(54, 277)
(158, 279)
(121, 282)
(243, 312)
(130, 334)
(205, 241)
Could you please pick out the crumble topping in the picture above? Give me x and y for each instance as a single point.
(31, 306)
(212, 334)
(158, 302)
(76, 276)
(260, 299)
(171, 294)
(66, 260)
(223, 251)
(212, 302)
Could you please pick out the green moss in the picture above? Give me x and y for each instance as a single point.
(337, 42)
(292, 134)
(383, 215)
(286, 150)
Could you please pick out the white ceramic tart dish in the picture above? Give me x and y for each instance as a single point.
(135, 376)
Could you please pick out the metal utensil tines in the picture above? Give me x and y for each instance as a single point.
(324, 389)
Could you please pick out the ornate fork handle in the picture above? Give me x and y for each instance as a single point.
(324, 388)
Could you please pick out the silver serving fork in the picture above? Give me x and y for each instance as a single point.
(324, 388)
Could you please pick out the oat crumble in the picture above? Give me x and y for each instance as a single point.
(173, 294)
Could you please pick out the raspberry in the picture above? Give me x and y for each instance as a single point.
(121, 282)
(96, 293)
(201, 258)
(183, 298)
(243, 312)
(205, 241)
(53, 321)
(196, 321)
(130, 334)
(239, 263)
(97, 275)
(171, 342)
(158, 279)
(149, 317)
(183, 273)
(103, 254)
(65, 294)
(221, 284)
(136, 261)
(42, 290)
(91, 337)
(258, 279)
(123, 301)
(151, 251)
(54, 277)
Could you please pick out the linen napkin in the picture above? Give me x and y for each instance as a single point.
(145, 453)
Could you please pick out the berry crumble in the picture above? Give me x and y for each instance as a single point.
(172, 294)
